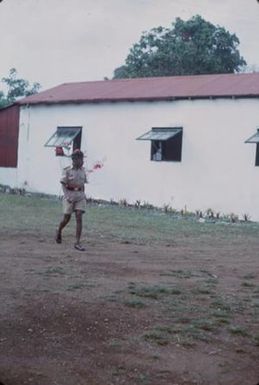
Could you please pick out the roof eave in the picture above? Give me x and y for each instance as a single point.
(136, 99)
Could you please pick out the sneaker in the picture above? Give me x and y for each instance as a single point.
(79, 247)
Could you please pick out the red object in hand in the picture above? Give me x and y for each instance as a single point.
(59, 151)
(97, 165)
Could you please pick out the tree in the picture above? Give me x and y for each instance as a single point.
(16, 88)
(190, 47)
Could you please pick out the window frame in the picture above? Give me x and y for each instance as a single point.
(166, 143)
(255, 139)
(71, 138)
(70, 143)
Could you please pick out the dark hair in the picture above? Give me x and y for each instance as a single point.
(77, 154)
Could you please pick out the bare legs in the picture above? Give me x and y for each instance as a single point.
(78, 226)
(61, 226)
(64, 222)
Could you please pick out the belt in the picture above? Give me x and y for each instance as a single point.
(74, 188)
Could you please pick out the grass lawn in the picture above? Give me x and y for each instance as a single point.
(24, 213)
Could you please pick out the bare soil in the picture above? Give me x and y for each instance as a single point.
(113, 315)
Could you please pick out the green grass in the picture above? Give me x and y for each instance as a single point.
(158, 337)
(153, 292)
(247, 284)
(249, 276)
(238, 330)
(187, 318)
(135, 303)
(26, 214)
(181, 333)
(42, 214)
(54, 271)
(256, 339)
(185, 274)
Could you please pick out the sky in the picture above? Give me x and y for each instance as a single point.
(59, 41)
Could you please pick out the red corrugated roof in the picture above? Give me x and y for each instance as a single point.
(160, 88)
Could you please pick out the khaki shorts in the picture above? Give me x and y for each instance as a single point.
(69, 208)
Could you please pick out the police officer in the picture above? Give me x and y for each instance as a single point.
(74, 199)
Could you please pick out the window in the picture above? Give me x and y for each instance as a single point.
(65, 137)
(166, 143)
(255, 139)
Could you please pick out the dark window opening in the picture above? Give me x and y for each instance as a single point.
(77, 141)
(257, 155)
(166, 143)
(65, 139)
(169, 150)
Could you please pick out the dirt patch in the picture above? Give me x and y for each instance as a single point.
(122, 313)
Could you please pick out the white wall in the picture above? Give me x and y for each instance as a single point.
(217, 169)
(8, 176)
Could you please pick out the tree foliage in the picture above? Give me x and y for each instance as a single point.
(16, 88)
(190, 47)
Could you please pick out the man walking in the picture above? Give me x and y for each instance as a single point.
(74, 199)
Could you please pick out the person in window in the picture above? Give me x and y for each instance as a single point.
(74, 199)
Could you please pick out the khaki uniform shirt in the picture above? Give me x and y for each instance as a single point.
(74, 179)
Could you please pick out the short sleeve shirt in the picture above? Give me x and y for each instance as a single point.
(75, 178)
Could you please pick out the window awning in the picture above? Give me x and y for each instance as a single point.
(63, 137)
(254, 138)
(160, 133)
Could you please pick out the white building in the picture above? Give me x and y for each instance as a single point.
(193, 157)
